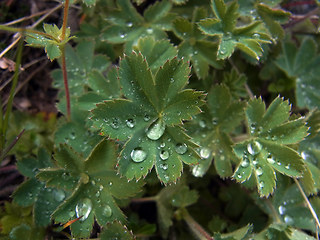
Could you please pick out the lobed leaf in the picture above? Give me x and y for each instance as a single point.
(147, 118)
(266, 152)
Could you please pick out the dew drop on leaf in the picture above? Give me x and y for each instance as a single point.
(115, 123)
(130, 123)
(261, 184)
(181, 148)
(162, 145)
(205, 152)
(256, 35)
(156, 130)
(281, 209)
(259, 171)
(146, 117)
(107, 211)
(164, 166)
(59, 195)
(202, 123)
(149, 30)
(164, 154)
(254, 148)
(72, 135)
(84, 208)
(245, 163)
(214, 121)
(198, 170)
(138, 155)
(129, 24)
(270, 159)
(288, 219)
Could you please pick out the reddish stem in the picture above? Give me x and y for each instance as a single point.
(64, 66)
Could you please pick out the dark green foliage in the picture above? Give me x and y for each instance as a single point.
(153, 85)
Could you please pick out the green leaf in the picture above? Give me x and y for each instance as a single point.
(84, 70)
(266, 151)
(301, 63)
(50, 42)
(273, 18)
(116, 230)
(240, 234)
(96, 186)
(32, 191)
(26, 232)
(149, 118)
(156, 52)
(210, 130)
(247, 38)
(193, 46)
(89, 3)
(184, 197)
(127, 25)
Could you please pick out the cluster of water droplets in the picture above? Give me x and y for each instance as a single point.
(282, 209)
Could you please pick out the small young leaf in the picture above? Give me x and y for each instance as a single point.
(201, 52)
(246, 38)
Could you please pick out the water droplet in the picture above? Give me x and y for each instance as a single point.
(214, 121)
(72, 135)
(59, 195)
(138, 155)
(281, 209)
(287, 166)
(164, 155)
(162, 145)
(288, 219)
(304, 155)
(149, 30)
(146, 117)
(181, 148)
(254, 148)
(205, 152)
(130, 123)
(261, 184)
(156, 129)
(270, 159)
(256, 35)
(195, 52)
(259, 171)
(245, 163)
(129, 24)
(202, 123)
(164, 166)
(115, 123)
(84, 208)
(198, 170)
(239, 176)
(171, 80)
(107, 211)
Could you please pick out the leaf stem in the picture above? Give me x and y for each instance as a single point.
(63, 58)
(314, 214)
(195, 227)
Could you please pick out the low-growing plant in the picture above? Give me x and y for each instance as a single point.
(177, 117)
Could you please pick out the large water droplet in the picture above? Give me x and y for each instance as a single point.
(156, 129)
(164, 154)
(84, 208)
(205, 152)
(254, 148)
(138, 155)
(181, 148)
(198, 170)
(107, 211)
(130, 123)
